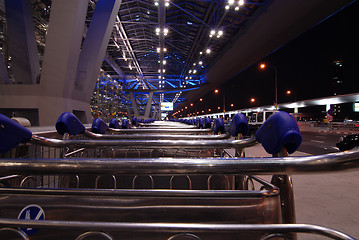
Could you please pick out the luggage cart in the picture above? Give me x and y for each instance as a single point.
(43, 209)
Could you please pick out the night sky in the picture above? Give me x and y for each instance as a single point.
(305, 66)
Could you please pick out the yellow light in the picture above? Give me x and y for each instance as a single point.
(262, 66)
(216, 91)
(253, 100)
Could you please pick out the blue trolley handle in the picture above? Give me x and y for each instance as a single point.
(279, 136)
(11, 134)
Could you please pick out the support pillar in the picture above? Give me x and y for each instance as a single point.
(50, 98)
(94, 48)
(134, 104)
(23, 49)
(148, 106)
(4, 76)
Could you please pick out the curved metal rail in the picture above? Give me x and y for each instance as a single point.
(154, 136)
(144, 144)
(287, 165)
(179, 227)
(161, 130)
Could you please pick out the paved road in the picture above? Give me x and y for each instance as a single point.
(319, 142)
(327, 199)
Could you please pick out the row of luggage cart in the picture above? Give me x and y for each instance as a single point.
(158, 180)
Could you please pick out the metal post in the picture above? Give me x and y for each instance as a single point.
(276, 86)
(285, 185)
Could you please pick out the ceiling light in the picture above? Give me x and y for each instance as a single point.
(200, 62)
(241, 2)
(208, 51)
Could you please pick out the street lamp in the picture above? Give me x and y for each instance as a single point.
(263, 66)
(216, 91)
(289, 92)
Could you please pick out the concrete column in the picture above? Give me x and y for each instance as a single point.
(50, 98)
(23, 49)
(134, 104)
(327, 107)
(148, 106)
(4, 76)
(94, 48)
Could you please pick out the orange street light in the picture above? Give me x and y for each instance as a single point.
(201, 99)
(232, 105)
(263, 66)
(253, 100)
(191, 104)
(289, 92)
(216, 91)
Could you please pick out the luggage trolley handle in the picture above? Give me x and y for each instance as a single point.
(69, 123)
(12, 134)
(279, 136)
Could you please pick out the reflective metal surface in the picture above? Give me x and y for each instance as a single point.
(175, 227)
(143, 144)
(287, 165)
(161, 130)
(146, 136)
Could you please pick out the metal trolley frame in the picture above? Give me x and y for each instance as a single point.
(178, 197)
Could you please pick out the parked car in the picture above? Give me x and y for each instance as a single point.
(348, 142)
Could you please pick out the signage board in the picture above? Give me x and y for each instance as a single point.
(166, 106)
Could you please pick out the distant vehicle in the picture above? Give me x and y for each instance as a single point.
(348, 142)
(256, 120)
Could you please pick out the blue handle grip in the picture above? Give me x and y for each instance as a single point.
(125, 124)
(218, 126)
(134, 121)
(99, 126)
(69, 123)
(279, 131)
(207, 123)
(238, 125)
(11, 134)
(114, 124)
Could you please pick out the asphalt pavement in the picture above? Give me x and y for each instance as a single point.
(326, 199)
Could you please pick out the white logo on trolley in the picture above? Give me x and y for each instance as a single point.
(31, 212)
